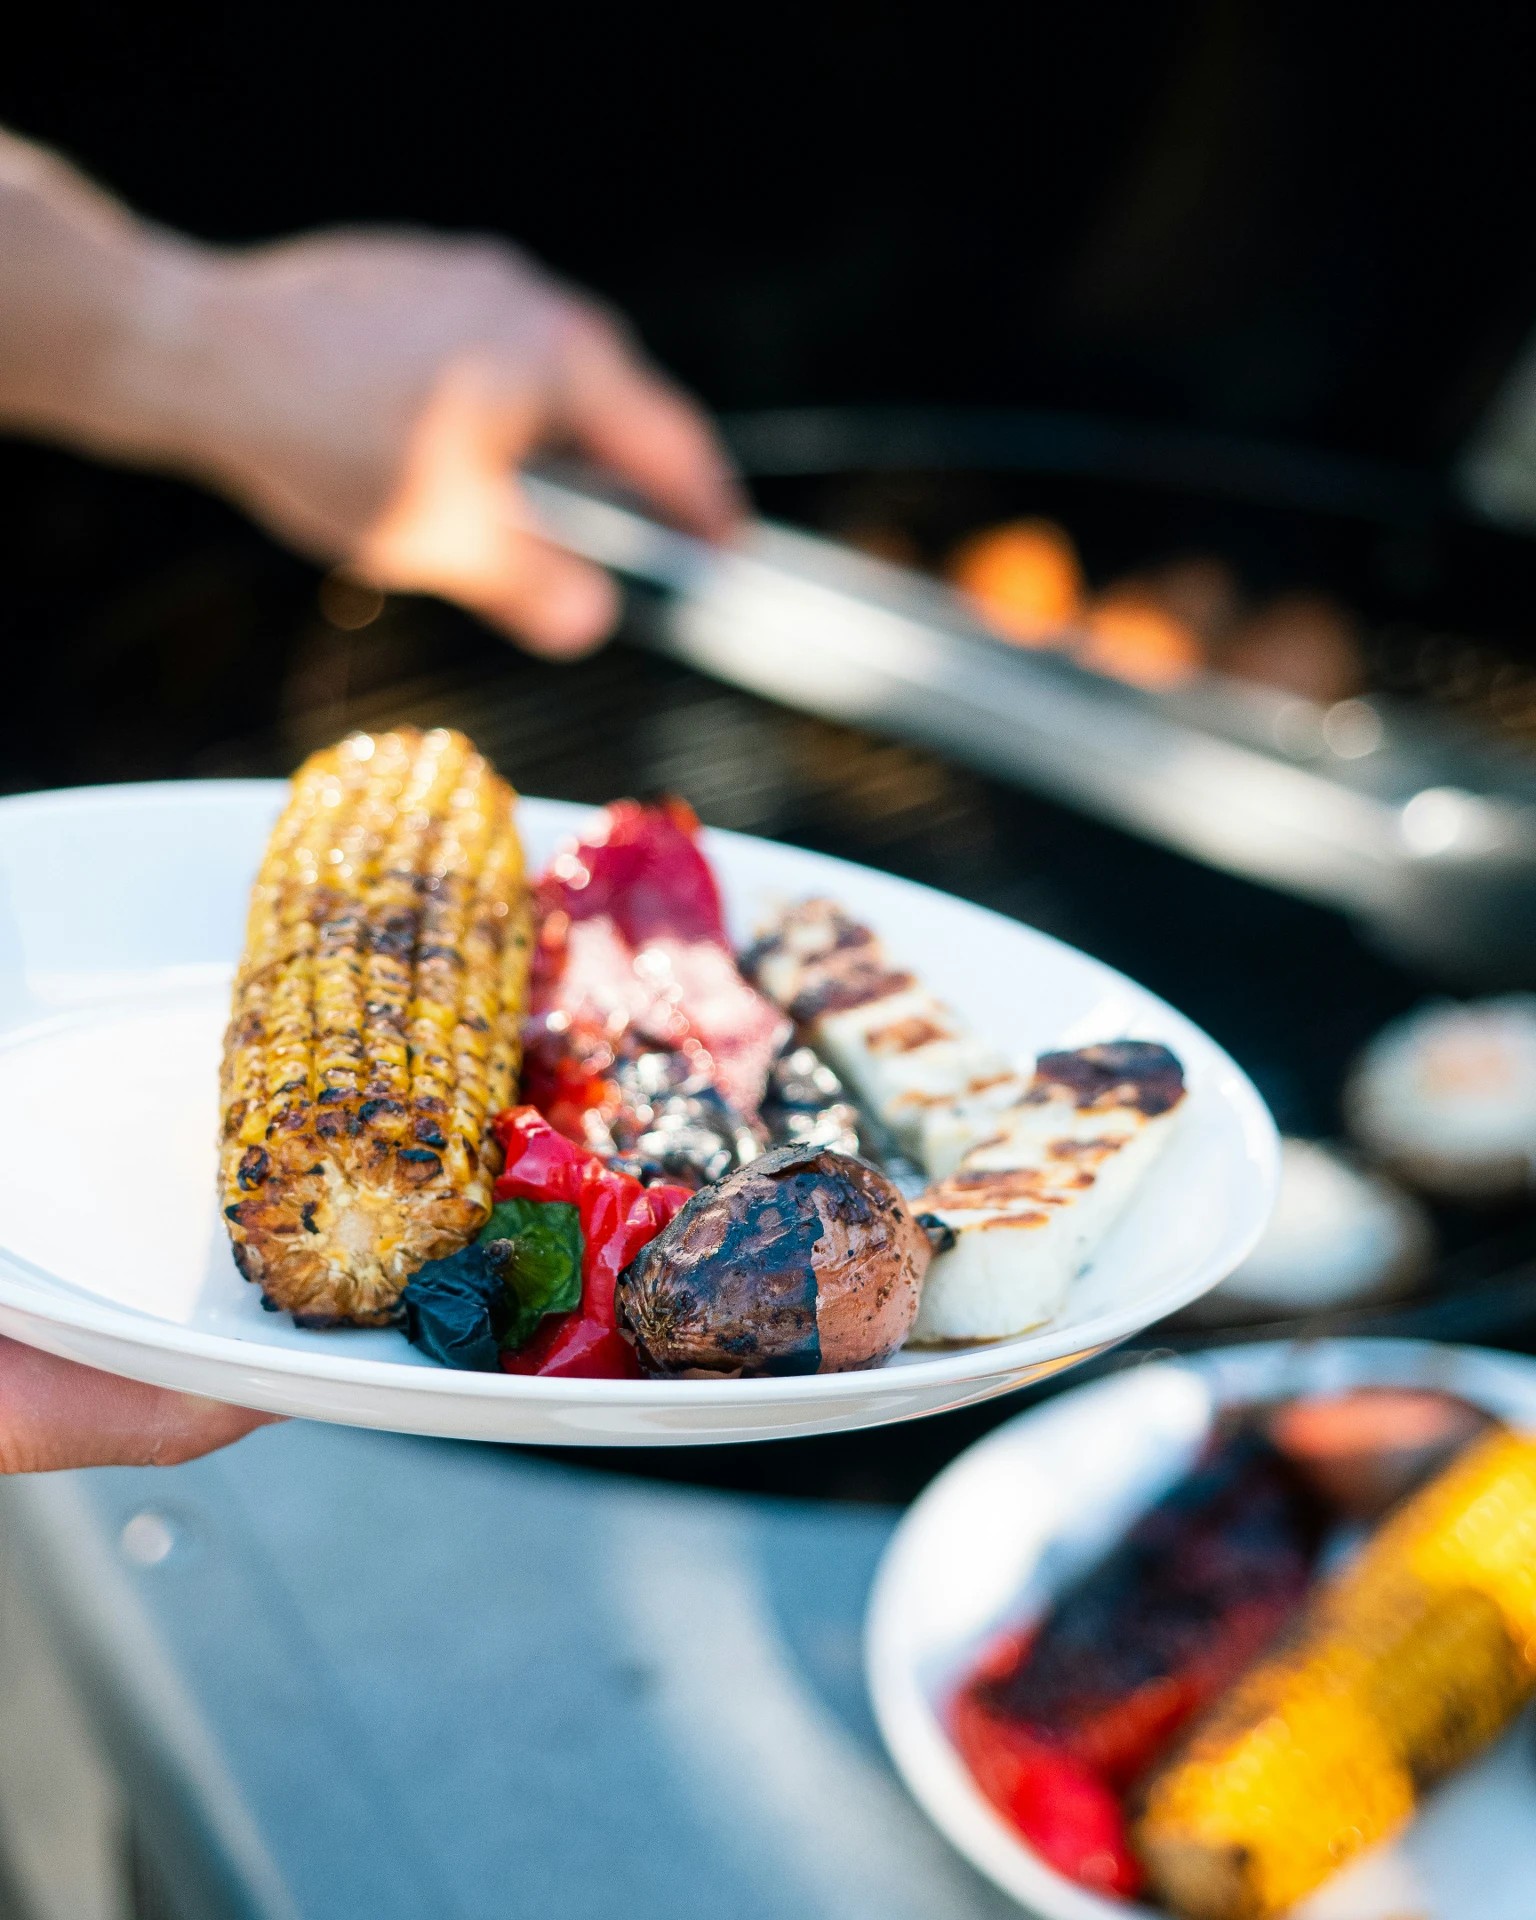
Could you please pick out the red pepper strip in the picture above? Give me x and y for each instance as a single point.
(540, 1163)
(643, 866)
(618, 1217)
(1066, 1812)
(575, 1348)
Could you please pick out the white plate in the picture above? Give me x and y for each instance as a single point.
(121, 913)
(1023, 1512)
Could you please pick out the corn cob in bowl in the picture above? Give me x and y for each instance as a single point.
(375, 1024)
(1402, 1669)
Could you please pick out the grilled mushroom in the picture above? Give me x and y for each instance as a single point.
(806, 1261)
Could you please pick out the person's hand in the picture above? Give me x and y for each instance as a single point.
(369, 397)
(54, 1413)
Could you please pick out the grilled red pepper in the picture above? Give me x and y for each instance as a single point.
(641, 1027)
(643, 868)
(1056, 1722)
(1064, 1810)
(618, 1217)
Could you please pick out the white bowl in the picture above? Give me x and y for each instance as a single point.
(121, 914)
(1023, 1512)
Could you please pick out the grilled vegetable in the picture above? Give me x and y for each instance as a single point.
(615, 1215)
(1074, 1709)
(457, 1310)
(1170, 1617)
(1404, 1667)
(492, 1296)
(645, 1043)
(374, 1030)
(806, 1261)
(806, 1105)
(672, 1122)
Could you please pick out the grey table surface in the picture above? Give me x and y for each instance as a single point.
(344, 1673)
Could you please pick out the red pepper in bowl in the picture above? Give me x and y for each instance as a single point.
(1057, 1723)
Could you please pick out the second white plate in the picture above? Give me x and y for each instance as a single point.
(1006, 1527)
(121, 913)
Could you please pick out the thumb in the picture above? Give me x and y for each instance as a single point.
(457, 525)
(539, 594)
(54, 1413)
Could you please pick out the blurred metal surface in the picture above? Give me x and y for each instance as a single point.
(1497, 469)
(1399, 817)
(349, 1674)
(799, 440)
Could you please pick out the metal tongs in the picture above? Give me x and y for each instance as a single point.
(1421, 828)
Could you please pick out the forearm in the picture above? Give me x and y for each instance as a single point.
(91, 299)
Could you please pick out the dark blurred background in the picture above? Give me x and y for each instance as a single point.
(1303, 223)
(1297, 219)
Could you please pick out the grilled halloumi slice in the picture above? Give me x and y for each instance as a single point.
(1021, 1214)
(1029, 1173)
(908, 1057)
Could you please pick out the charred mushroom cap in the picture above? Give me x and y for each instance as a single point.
(806, 1261)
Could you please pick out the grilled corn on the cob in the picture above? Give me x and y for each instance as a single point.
(374, 1030)
(1402, 1669)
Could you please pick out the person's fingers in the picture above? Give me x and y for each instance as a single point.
(552, 602)
(457, 526)
(636, 423)
(55, 1413)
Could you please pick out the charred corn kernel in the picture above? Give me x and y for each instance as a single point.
(1401, 1669)
(374, 1029)
(1480, 1513)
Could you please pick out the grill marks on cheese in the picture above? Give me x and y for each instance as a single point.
(375, 1022)
(1126, 1082)
(1029, 1202)
(1028, 1173)
(907, 1054)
